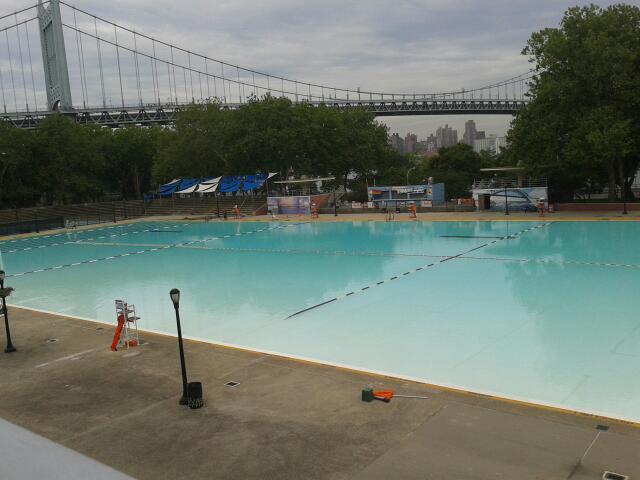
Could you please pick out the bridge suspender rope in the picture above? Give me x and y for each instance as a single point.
(104, 96)
(13, 85)
(115, 33)
(80, 62)
(24, 82)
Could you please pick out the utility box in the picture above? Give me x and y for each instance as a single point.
(484, 201)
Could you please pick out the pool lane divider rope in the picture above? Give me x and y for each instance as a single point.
(315, 252)
(556, 262)
(71, 242)
(68, 233)
(154, 249)
(415, 270)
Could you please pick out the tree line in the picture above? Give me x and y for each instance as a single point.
(64, 162)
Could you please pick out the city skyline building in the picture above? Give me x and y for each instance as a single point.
(470, 132)
(446, 136)
(410, 141)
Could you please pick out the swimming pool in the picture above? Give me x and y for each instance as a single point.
(535, 311)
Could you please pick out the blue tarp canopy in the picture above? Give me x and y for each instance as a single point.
(230, 183)
(174, 186)
(253, 182)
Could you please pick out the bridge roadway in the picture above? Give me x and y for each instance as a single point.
(154, 114)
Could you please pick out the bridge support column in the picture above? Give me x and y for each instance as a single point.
(54, 58)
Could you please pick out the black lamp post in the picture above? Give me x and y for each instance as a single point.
(624, 195)
(4, 294)
(506, 199)
(175, 298)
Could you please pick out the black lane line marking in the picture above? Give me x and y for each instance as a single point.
(312, 307)
(464, 253)
(141, 251)
(468, 236)
(33, 246)
(339, 297)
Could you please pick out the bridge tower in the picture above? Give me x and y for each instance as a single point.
(54, 57)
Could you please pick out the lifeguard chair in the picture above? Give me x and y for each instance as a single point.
(127, 330)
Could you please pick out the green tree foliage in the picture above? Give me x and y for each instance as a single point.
(130, 154)
(69, 161)
(455, 166)
(16, 181)
(582, 127)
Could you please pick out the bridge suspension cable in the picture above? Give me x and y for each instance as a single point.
(245, 78)
(110, 61)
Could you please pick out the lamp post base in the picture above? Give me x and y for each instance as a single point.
(10, 349)
(183, 401)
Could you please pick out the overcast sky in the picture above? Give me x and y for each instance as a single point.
(381, 45)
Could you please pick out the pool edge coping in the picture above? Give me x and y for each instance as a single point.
(359, 370)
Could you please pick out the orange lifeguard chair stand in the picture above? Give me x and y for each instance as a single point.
(127, 330)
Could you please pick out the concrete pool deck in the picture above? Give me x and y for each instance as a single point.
(286, 419)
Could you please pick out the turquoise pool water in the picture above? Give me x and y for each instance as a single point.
(542, 312)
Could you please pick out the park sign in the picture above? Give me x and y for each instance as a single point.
(399, 195)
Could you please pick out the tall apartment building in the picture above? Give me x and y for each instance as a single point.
(410, 141)
(446, 136)
(470, 132)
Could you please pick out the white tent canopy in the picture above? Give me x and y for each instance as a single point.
(208, 186)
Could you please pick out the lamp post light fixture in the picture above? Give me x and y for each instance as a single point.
(408, 172)
(175, 298)
(4, 293)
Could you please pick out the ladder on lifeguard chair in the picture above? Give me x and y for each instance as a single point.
(127, 330)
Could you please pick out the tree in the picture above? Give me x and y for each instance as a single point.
(197, 146)
(583, 123)
(15, 167)
(131, 153)
(456, 167)
(69, 161)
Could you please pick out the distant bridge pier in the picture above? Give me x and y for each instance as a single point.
(54, 57)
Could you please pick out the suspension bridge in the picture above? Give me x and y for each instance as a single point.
(99, 72)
